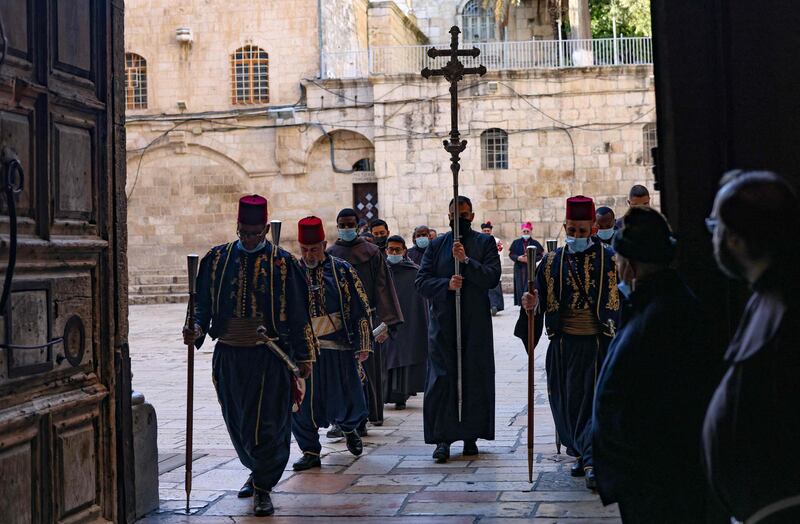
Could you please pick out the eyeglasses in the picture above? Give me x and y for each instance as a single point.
(711, 224)
(246, 235)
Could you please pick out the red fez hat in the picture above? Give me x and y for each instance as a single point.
(310, 231)
(527, 225)
(253, 210)
(580, 208)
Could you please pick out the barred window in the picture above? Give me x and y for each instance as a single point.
(650, 140)
(478, 23)
(494, 149)
(250, 76)
(135, 81)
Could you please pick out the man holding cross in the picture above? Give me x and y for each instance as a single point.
(436, 281)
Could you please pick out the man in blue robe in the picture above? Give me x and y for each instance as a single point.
(577, 297)
(421, 240)
(436, 281)
(340, 320)
(241, 287)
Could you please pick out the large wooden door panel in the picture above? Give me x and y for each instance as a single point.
(63, 334)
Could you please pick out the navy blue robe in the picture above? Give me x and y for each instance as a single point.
(573, 361)
(651, 397)
(440, 409)
(253, 385)
(516, 250)
(333, 392)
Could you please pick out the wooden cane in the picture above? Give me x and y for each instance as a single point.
(530, 254)
(191, 262)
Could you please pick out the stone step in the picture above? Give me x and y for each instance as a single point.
(151, 279)
(174, 298)
(158, 289)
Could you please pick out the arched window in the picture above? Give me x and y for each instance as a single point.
(365, 164)
(478, 23)
(135, 81)
(250, 75)
(494, 149)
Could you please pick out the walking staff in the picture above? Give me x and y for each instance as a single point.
(191, 262)
(531, 254)
(454, 72)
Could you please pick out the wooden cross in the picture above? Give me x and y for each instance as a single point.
(454, 72)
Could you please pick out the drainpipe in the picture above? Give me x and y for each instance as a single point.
(321, 41)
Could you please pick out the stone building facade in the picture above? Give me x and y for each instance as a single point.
(333, 130)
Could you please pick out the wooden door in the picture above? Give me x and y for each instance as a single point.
(365, 200)
(64, 353)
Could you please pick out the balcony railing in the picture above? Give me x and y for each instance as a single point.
(496, 56)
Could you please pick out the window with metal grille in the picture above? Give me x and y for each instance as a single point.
(135, 81)
(250, 75)
(650, 140)
(478, 23)
(494, 149)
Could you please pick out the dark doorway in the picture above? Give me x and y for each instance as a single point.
(365, 200)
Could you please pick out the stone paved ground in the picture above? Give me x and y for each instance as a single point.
(395, 480)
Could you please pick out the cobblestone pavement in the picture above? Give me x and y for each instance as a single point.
(395, 480)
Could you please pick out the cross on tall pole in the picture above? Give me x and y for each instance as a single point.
(454, 72)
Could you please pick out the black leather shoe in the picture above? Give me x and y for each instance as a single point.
(362, 429)
(470, 448)
(334, 432)
(307, 461)
(591, 480)
(246, 490)
(577, 469)
(442, 453)
(400, 406)
(354, 444)
(262, 504)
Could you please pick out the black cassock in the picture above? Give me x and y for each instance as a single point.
(516, 250)
(406, 352)
(482, 273)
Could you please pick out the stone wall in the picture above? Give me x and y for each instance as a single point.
(591, 119)
(529, 20)
(388, 25)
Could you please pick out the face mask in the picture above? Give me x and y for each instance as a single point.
(259, 247)
(381, 241)
(464, 225)
(526, 237)
(577, 245)
(348, 234)
(422, 242)
(625, 289)
(606, 234)
(394, 259)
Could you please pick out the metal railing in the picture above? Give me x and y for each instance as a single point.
(496, 56)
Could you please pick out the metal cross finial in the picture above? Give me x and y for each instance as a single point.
(454, 71)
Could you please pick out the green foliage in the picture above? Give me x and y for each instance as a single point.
(633, 17)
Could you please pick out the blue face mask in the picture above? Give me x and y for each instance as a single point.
(606, 234)
(347, 235)
(422, 242)
(577, 245)
(526, 237)
(394, 259)
(259, 247)
(625, 288)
